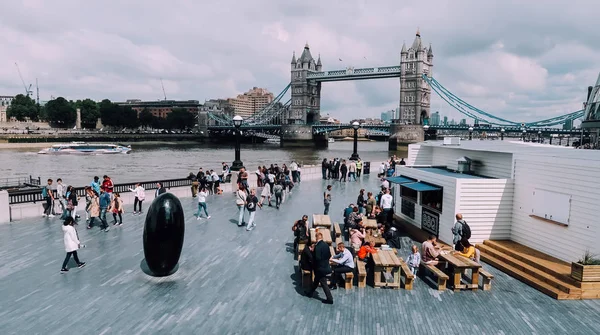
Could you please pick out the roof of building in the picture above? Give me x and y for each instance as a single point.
(306, 57)
(518, 147)
(294, 58)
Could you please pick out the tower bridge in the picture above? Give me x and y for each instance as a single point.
(297, 119)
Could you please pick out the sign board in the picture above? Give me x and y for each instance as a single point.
(430, 222)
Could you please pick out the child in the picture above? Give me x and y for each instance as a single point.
(413, 260)
(71, 243)
(116, 207)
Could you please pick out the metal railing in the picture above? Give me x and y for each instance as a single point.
(35, 195)
(19, 182)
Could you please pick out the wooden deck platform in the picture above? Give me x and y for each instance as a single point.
(545, 273)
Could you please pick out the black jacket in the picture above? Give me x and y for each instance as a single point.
(306, 259)
(161, 190)
(321, 260)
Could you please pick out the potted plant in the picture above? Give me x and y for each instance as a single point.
(587, 268)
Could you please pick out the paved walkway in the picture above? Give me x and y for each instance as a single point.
(235, 282)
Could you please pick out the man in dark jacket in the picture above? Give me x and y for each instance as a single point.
(322, 254)
(307, 261)
(159, 189)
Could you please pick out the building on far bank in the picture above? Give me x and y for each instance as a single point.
(435, 119)
(326, 119)
(218, 107)
(5, 101)
(161, 108)
(246, 104)
(388, 116)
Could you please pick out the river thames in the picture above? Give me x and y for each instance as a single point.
(170, 161)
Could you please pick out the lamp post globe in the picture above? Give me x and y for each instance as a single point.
(237, 163)
(470, 133)
(355, 126)
(502, 130)
(425, 132)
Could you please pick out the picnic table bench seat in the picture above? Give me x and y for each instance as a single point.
(487, 279)
(337, 229)
(361, 267)
(442, 278)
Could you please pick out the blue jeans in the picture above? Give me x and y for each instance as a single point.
(324, 171)
(241, 217)
(251, 220)
(326, 211)
(352, 175)
(103, 218)
(201, 206)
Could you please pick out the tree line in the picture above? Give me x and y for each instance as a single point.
(62, 113)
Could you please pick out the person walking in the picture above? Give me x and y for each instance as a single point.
(61, 191)
(352, 171)
(294, 169)
(322, 255)
(116, 208)
(96, 184)
(202, 203)
(72, 244)
(361, 202)
(48, 196)
(327, 199)
(324, 168)
(359, 167)
(387, 203)
(240, 201)
(251, 204)
(72, 201)
(266, 194)
(278, 192)
(140, 195)
(88, 202)
(460, 230)
(108, 185)
(104, 204)
(94, 208)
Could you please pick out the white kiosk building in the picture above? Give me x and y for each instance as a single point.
(541, 196)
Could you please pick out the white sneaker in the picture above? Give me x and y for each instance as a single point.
(208, 217)
(50, 216)
(198, 218)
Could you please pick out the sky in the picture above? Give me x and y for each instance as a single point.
(519, 60)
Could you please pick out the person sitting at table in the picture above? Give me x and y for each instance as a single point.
(392, 238)
(300, 229)
(343, 262)
(357, 237)
(306, 258)
(468, 250)
(429, 251)
(365, 250)
(354, 218)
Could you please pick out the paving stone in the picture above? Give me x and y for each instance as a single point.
(231, 281)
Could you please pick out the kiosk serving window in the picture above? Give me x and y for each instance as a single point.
(432, 199)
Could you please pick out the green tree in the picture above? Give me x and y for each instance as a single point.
(145, 118)
(159, 123)
(23, 108)
(128, 117)
(90, 112)
(180, 118)
(109, 113)
(60, 111)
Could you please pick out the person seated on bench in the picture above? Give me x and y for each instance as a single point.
(413, 260)
(429, 251)
(300, 229)
(306, 258)
(357, 236)
(392, 238)
(365, 251)
(343, 262)
(468, 250)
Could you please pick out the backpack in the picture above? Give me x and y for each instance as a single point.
(466, 230)
(44, 192)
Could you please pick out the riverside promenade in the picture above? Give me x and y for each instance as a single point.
(231, 281)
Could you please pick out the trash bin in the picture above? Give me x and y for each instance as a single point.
(367, 168)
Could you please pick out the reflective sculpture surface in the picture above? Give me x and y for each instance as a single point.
(163, 236)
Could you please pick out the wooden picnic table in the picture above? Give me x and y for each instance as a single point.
(375, 241)
(326, 235)
(320, 220)
(459, 264)
(370, 224)
(386, 261)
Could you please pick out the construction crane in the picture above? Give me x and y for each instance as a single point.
(163, 88)
(27, 90)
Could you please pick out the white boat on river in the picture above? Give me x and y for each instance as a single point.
(83, 148)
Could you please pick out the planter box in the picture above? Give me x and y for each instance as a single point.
(585, 273)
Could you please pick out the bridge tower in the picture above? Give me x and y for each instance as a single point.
(305, 107)
(415, 94)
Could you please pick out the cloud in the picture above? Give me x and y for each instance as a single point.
(517, 61)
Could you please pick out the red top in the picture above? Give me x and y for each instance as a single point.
(364, 250)
(107, 186)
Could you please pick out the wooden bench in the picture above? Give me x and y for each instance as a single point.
(338, 240)
(487, 279)
(441, 276)
(408, 275)
(307, 278)
(301, 246)
(348, 281)
(362, 273)
(337, 229)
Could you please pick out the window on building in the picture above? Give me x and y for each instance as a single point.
(407, 193)
(432, 199)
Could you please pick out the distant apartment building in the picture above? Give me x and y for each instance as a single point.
(326, 119)
(161, 108)
(246, 104)
(463, 122)
(445, 120)
(435, 119)
(568, 125)
(388, 116)
(5, 101)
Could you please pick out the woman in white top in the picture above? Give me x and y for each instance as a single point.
(240, 201)
(202, 203)
(140, 196)
(266, 194)
(71, 244)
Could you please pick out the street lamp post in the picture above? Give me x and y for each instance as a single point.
(425, 132)
(470, 133)
(540, 136)
(502, 130)
(524, 132)
(237, 163)
(355, 126)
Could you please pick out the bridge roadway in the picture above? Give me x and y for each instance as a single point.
(235, 282)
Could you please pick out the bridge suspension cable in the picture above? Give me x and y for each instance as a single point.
(479, 115)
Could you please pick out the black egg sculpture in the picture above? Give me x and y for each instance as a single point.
(163, 236)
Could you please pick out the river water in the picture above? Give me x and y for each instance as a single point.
(170, 161)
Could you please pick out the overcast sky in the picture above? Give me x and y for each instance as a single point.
(517, 59)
